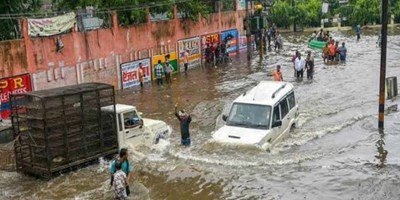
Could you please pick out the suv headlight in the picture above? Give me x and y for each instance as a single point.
(162, 135)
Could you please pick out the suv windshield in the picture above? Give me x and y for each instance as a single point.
(249, 116)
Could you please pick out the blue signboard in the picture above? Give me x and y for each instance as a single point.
(231, 38)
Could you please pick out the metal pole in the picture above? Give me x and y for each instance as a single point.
(383, 65)
(248, 31)
(262, 46)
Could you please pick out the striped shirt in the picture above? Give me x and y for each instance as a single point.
(158, 70)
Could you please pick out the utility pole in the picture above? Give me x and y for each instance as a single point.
(383, 65)
(248, 30)
(262, 45)
(260, 27)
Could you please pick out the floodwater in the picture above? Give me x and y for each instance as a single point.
(331, 155)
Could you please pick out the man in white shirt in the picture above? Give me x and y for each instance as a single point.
(168, 71)
(299, 65)
(186, 60)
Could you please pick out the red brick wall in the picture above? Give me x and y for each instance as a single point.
(12, 58)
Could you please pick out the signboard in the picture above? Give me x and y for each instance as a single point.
(130, 73)
(243, 42)
(211, 39)
(241, 5)
(231, 38)
(172, 60)
(325, 7)
(52, 25)
(13, 85)
(193, 46)
(92, 23)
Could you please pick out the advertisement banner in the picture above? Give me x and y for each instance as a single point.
(243, 42)
(231, 39)
(51, 26)
(193, 46)
(13, 85)
(130, 73)
(242, 5)
(212, 40)
(173, 60)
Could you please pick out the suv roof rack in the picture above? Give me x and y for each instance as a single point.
(279, 89)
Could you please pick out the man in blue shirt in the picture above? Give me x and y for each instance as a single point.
(358, 31)
(159, 71)
(184, 119)
(342, 52)
(125, 166)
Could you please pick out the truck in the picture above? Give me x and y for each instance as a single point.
(61, 129)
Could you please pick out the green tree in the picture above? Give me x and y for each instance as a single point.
(313, 9)
(10, 13)
(395, 9)
(133, 11)
(281, 13)
(302, 12)
(365, 11)
(192, 9)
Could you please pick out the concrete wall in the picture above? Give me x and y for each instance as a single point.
(12, 58)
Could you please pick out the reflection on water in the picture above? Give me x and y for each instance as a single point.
(331, 155)
(382, 153)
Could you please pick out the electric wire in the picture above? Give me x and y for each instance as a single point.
(100, 10)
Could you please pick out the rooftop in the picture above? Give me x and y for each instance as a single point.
(265, 93)
(119, 108)
(71, 89)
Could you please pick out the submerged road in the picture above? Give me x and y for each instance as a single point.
(331, 155)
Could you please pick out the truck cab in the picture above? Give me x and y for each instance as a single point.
(133, 129)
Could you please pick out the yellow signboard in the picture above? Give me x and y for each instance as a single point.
(172, 60)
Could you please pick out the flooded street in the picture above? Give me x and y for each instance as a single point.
(331, 155)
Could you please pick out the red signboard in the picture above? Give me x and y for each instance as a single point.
(12, 85)
(212, 40)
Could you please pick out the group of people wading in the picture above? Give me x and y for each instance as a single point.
(334, 53)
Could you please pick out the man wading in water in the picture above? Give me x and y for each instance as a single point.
(125, 167)
(184, 119)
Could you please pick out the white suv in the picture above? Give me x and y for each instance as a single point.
(261, 116)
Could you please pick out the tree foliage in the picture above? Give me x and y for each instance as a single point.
(10, 24)
(365, 11)
(134, 11)
(191, 10)
(304, 12)
(281, 14)
(309, 12)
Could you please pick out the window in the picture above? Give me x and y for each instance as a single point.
(131, 120)
(277, 115)
(292, 100)
(249, 116)
(284, 108)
